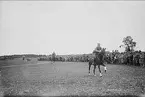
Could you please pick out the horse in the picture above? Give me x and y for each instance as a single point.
(97, 60)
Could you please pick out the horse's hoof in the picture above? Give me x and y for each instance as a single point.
(89, 74)
(100, 75)
(105, 71)
(95, 75)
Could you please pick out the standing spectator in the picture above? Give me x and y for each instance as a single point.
(141, 60)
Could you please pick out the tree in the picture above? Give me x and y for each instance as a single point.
(128, 44)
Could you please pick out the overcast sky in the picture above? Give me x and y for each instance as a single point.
(69, 27)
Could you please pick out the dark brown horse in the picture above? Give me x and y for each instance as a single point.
(97, 60)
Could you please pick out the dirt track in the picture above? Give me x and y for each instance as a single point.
(71, 78)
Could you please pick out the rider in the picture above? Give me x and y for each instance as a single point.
(53, 56)
(97, 49)
(97, 53)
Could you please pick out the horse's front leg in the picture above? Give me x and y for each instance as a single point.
(100, 70)
(89, 67)
(104, 67)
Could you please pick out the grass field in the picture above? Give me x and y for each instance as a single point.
(69, 79)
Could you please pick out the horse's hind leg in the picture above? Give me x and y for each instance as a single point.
(94, 70)
(100, 70)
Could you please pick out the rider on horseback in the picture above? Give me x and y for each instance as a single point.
(98, 59)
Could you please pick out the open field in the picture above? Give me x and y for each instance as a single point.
(69, 78)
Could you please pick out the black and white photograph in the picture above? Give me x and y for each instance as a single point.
(70, 48)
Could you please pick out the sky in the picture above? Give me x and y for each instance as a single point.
(69, 27)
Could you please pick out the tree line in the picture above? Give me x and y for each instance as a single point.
(130, 56)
